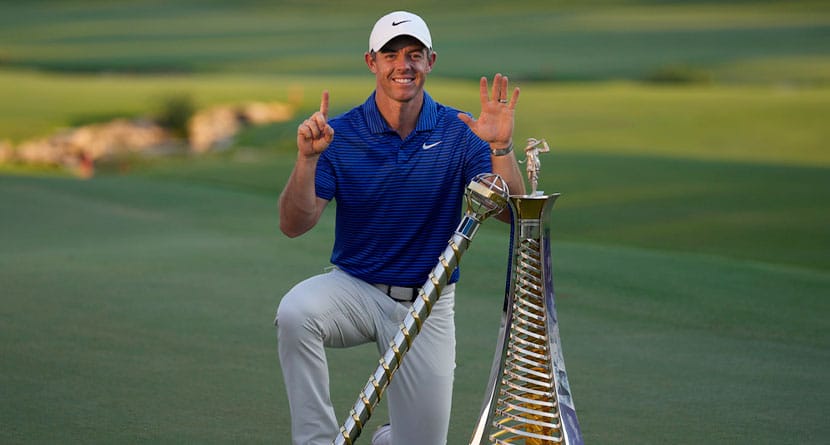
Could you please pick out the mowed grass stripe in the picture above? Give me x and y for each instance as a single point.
(756, 212)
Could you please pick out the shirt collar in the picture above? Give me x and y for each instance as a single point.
(427, 119)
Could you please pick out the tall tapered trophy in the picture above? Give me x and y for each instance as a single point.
(486, 196)
(528, 398)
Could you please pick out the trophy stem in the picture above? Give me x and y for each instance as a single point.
(528, 398)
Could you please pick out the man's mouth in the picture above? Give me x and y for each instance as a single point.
(403, 81)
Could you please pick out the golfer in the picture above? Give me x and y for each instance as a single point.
(397, 167)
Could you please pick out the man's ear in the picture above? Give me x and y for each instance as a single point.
(370, 62)
(432, 57)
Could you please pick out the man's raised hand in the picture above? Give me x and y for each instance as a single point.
(495, 123)
(315, 134)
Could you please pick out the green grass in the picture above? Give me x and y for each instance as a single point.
(690, 242)
(140, 310)
(567, 40)
(761, 212)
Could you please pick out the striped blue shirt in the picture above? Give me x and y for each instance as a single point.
(398, 201)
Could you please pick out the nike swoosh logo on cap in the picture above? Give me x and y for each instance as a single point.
(398, 23)
(427, 147)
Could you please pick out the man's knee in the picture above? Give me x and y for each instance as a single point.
(292, 313)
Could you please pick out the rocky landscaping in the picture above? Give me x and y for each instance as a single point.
(79, 149)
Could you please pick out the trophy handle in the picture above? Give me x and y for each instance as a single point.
(486, 196)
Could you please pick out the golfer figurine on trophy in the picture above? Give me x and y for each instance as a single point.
(528, 398)
(534, 165)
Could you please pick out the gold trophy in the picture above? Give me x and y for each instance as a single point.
(486, 196)
(528, 398)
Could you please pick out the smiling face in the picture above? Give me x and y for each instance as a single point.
(401, 68)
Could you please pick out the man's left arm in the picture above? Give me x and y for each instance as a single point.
(507, 167)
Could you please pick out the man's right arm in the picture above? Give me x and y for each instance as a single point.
(300, 208)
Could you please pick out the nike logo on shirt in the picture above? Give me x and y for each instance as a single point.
(428, 146)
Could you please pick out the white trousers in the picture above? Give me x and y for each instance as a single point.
(337, 310)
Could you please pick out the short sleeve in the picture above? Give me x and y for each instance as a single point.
(324, 185)
(478, 160)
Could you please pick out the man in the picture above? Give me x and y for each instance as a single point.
(397, 165)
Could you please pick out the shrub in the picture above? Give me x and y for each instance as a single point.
(175, 111)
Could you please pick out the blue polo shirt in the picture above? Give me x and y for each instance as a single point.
(398, 201)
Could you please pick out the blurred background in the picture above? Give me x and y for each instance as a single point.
(143, 145)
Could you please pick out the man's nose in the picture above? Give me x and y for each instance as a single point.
(403, 63)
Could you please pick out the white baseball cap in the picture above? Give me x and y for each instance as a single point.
(398, 23)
